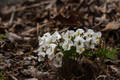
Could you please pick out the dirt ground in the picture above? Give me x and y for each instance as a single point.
(21, 22)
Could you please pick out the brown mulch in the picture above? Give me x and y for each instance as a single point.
(24, 22)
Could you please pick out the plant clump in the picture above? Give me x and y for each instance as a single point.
(68, 44)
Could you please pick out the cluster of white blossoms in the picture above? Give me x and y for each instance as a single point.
(53, 46)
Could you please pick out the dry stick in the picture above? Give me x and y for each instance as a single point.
(34, 29)
(65, 29)
(38, 28)
(12, 17)
(13, 77)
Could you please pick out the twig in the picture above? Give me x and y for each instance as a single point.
(12, 17)
(13, 77)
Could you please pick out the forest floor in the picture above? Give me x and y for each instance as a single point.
(21, 24)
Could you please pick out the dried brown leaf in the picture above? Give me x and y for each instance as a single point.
(111, 26)
(32, 79)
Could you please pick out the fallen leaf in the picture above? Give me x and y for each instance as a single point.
(111, 26)
(32, 79)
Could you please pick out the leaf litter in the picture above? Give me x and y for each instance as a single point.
(24, 22)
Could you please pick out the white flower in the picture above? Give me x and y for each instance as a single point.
(49, 40)
(59, 56)
(89, 33)
(45, 39)
(41, 53)
(62, 34)
(96, 37)
(79, 32)
(56, 36)
(90, 43)
(68, 35)
(51, 51)
(80, 49)
(47, 34)
(41, 56)
(51, 48)
(67, 44)
(41, 40)
(71, 33)
(57, 63)
(42, 49)
(79, 41)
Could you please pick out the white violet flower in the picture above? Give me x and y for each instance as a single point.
(50, 51)
(79, 32)
(56, 36)
(89, 33)
(41, 56)
(47, 34)
(90, 43)
(96, 37)
(59, 56)
(41, 40)
(68, 35)
(80, 49)
(67, 45)
(57, 63)
(79, 41)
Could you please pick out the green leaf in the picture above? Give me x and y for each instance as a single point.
(71, 54)
(3, 36)
(111, 54)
